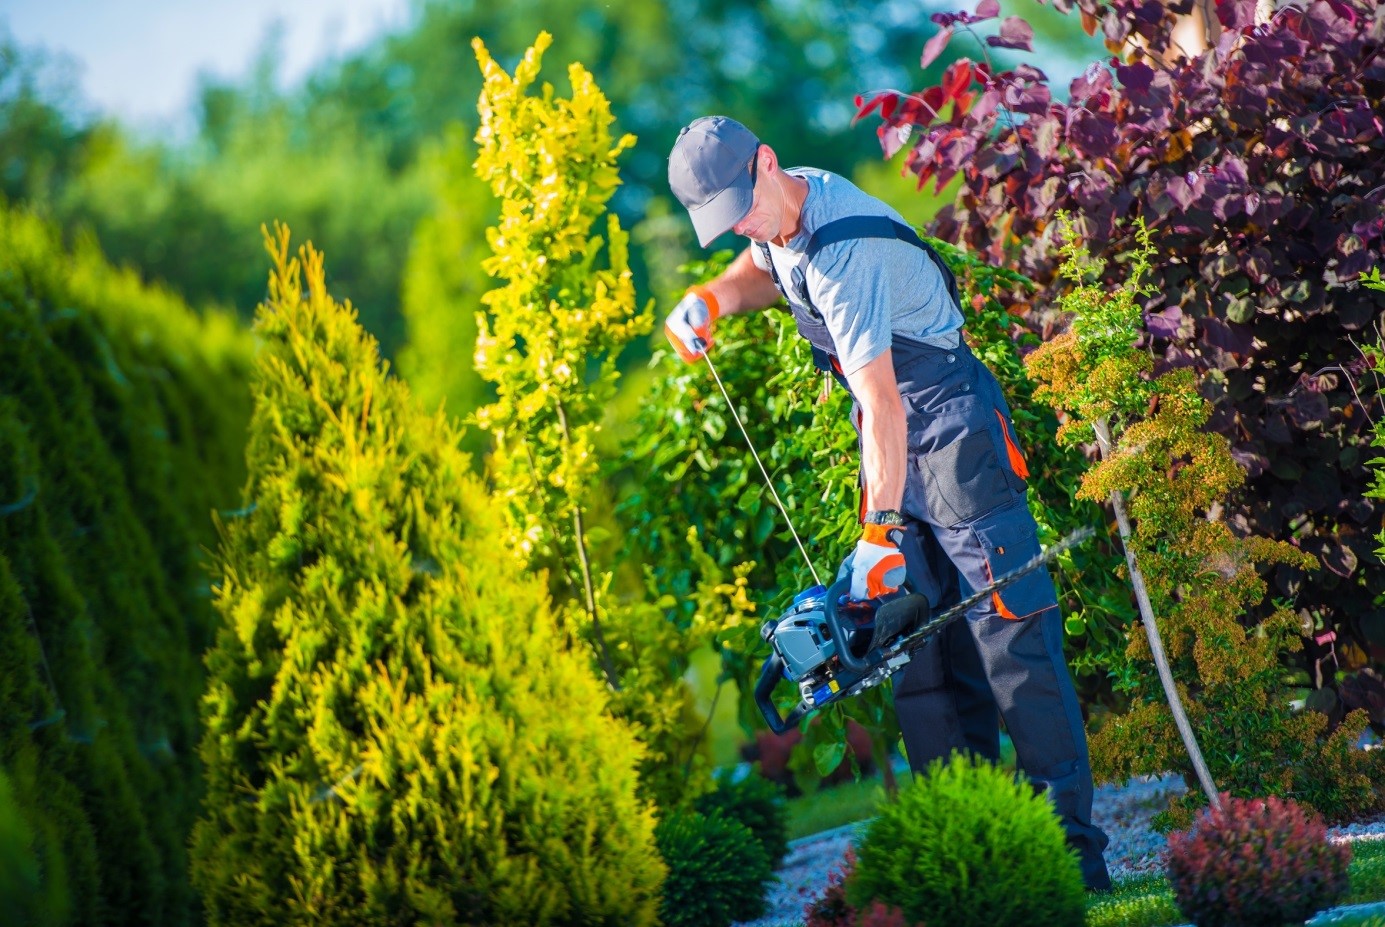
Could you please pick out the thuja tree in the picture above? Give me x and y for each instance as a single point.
(1201, 577)
(1259, 169)
(121, 418)
(394, 732)
(549, 342)
(687, 465)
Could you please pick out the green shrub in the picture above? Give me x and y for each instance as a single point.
(395, 733)
(122, 419)
(1256, 861)
(717, 871)
(758, 804)
(966, 844)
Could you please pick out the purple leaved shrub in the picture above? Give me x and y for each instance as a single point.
(1256, 861)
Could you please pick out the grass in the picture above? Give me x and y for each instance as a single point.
(848, 803)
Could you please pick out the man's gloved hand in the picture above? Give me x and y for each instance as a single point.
(689, 325)
(876, 566)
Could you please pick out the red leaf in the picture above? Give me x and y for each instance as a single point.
(870, 107)
(935, 47)
(934, 98)
(956, 78)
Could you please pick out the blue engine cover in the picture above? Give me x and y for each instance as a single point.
(802, 638)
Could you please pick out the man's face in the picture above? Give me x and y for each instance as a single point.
(766, 211)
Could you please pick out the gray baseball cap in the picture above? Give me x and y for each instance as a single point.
(709, 172)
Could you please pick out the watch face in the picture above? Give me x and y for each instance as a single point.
(884, 517)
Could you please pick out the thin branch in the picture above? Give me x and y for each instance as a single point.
(1156, 640)
(603, 654)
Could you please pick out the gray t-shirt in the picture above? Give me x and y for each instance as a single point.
(867, 289)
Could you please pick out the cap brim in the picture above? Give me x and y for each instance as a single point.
(722, 211)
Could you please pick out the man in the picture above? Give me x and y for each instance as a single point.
(942, 475)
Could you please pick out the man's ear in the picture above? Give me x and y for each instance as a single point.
(769, 161)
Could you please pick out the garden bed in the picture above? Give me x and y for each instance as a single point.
(1135, 858)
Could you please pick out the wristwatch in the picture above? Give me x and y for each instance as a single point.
(883, 517)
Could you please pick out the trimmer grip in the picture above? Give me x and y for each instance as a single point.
(839, 634)
(770, 674)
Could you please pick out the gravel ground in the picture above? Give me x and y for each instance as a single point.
(1124, 812)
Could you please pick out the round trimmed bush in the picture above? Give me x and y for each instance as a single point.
(758, 804)
(966, 844)
(1256, 861)
(717, 870)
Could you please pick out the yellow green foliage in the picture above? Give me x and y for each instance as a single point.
(394, 731)
(563, 310)
(122, 415)
(1225, 644)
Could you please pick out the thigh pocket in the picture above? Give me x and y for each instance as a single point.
(1009, 539)
(963, 479)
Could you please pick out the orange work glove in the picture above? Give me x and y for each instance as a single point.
(876, 565)
(689, 325)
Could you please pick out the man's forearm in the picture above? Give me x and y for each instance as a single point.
(743, 287)
(884, 432)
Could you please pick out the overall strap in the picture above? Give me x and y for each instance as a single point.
(879, 227)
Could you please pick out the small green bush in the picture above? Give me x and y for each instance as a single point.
(1256, 861)
(758, 804)
(717, 870)
(966, 844)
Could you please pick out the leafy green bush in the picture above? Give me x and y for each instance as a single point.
(395, 732)
(1256, 861)
(717, 870)
(758, 804)
(966, 844)
(686, 464)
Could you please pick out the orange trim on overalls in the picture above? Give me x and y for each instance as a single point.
(1013, 452)
(1001, 608)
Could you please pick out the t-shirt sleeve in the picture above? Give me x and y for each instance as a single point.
(852, 296)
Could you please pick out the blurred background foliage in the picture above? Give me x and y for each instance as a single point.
(371, 139)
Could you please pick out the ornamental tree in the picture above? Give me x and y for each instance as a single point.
(1167, 477)
(1258, 167)
(394, 731)
(549, 339)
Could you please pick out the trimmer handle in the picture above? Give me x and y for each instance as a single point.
(770, 674)
(897, 616)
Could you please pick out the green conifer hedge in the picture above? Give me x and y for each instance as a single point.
(120, 421)
(394, 732)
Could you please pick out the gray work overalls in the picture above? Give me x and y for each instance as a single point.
(967, 521)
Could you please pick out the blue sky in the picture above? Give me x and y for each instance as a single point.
(139, 59)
